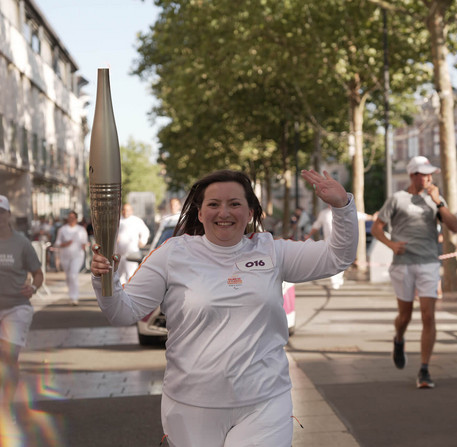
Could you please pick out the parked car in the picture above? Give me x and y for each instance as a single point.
(152, 328)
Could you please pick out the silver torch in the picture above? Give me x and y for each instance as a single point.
(105, 176)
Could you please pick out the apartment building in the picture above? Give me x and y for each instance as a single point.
(422, 137)
(43, 121)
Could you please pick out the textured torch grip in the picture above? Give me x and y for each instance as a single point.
(105, 204)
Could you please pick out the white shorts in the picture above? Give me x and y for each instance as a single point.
(409, 278)
(15, 324)
(267, 424)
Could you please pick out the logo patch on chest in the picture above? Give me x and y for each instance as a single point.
(234, 281)
(261, 263)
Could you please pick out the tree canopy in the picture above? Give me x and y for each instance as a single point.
(139, 172)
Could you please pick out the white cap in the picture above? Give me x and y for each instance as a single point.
(4, 203)
(422, 165)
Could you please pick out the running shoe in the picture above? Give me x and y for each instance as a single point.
(424, 380)
(399, 355)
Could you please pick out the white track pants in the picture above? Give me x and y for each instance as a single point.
(267, 424)
(72, 267)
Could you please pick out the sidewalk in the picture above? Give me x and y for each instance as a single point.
(321, 426)
(345, 349)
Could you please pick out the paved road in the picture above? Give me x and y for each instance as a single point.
(344, 347)
(92, 384)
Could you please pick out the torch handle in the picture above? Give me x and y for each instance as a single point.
(107, 284)
(105, 203)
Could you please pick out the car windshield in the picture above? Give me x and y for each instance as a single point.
(166, 234)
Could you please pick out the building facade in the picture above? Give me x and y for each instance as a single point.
(422, 137)
(43, 121)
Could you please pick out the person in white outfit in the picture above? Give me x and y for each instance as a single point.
(324, 222)
(71, 241)
(133, 234)
(219, 284)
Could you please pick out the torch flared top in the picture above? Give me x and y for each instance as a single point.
(104, 158)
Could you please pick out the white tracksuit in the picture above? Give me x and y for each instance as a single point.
(72, 256)
(224, 309)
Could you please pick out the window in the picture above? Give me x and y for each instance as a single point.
(2, 135)
(26, 30)
(25, 146)
(36, 42)
(52, 156)
(13, 140)
(61, 160)
(31, 32)
(35, 154)
(56, 62)
(44, 154)
(413, 144)
(436, 141)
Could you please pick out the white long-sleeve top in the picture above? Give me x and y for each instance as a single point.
(78, 235)
(133, 234)
(224, 308)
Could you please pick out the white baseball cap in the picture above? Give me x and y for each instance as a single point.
(4, 203)
(422, 165)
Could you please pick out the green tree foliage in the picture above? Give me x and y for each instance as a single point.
(139, 173)
(227, 74)
(235, 77)
(231, 78)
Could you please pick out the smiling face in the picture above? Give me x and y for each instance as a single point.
(224, 213)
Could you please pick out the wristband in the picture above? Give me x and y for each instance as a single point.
(440, 205)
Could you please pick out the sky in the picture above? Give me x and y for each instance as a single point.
(102, 34)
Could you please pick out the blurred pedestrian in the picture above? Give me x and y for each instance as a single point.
(175, 206)
(304, 225)
(323, 223)
(413, 215)
(220, 286)
(91, 237)
(54, 261)
(18, 259)
(293, 222)
(71, 241)
(269, 223)
(132, 236)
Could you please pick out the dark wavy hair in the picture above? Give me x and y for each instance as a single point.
(188, 222)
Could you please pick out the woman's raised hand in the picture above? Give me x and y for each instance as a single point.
(326, 188)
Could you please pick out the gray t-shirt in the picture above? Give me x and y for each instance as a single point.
(17, 258)
(413, 219)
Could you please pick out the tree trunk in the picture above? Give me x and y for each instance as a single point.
(268, 192)
(317, 157)
(438, 32)
(287, 177)
(356, 103)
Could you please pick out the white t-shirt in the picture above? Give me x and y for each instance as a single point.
(78, 235)
(324, 221)
(224, 308)
(132, 231)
